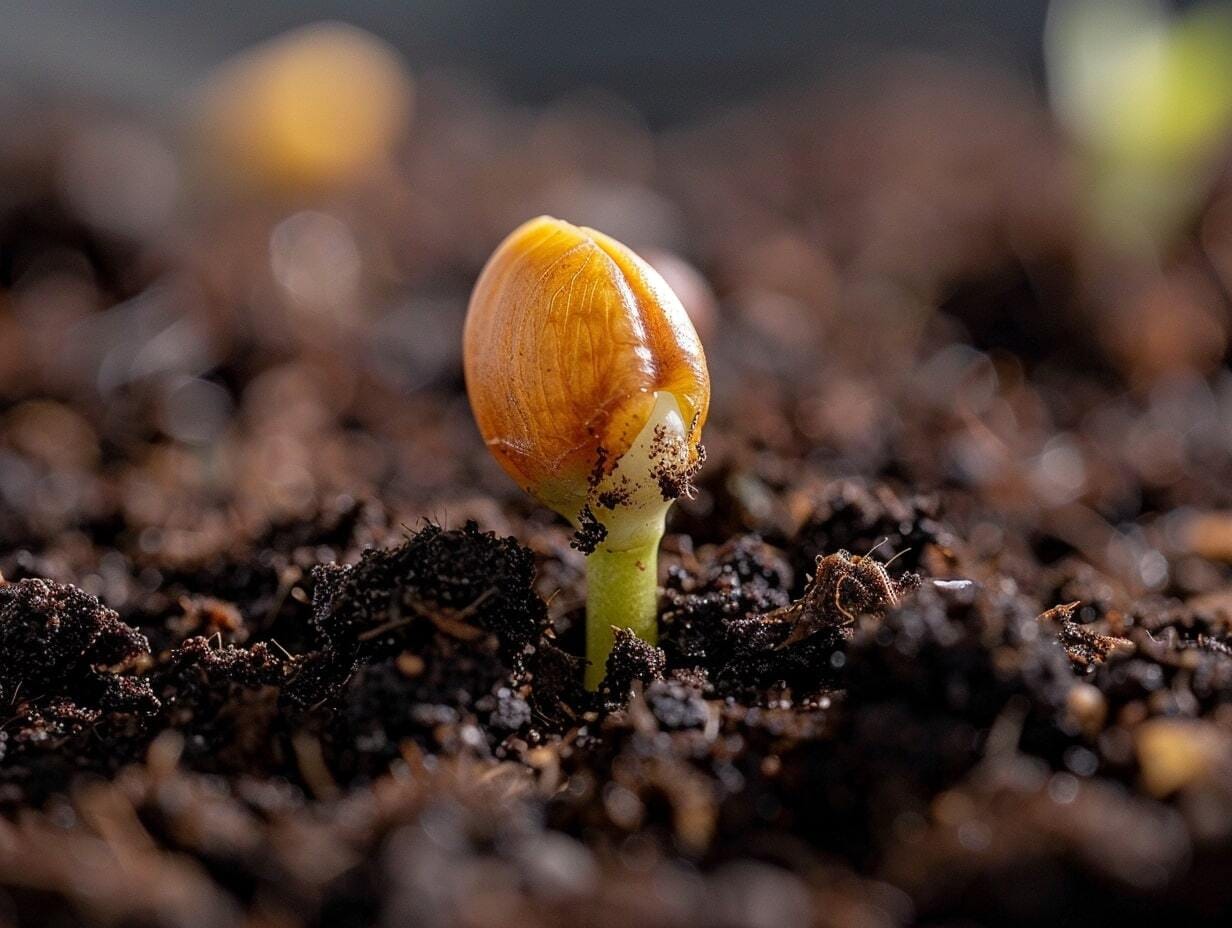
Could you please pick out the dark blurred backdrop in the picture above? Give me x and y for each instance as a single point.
(671, 58)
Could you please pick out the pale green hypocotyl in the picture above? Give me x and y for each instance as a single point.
(622, 571)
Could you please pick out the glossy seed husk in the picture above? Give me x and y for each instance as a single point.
(569, 336)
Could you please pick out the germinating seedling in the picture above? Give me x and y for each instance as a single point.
(589, 385)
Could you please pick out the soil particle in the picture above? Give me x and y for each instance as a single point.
(675, 481)
(590, 532)
(556, 694)
(753, 637)
(742, 578)
(853, 515)
(461, 591)
(677, 703)
(631, 659)
(71, 702)
(433, 641)
(259, 665)
(462, 582)
(54, 638)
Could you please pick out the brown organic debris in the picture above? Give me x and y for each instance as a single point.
(844, 587)
(1083, 645)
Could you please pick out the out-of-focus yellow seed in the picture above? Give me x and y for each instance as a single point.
(315, 107)
(1176, 753)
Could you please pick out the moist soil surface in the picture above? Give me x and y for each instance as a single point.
(944, 624)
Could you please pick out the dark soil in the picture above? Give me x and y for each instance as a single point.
(945, 623)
